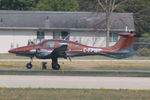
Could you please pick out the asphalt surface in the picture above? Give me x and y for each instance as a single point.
(84, 82)
(87, 82)
(73, 70)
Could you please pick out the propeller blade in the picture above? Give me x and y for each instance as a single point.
(69, 58)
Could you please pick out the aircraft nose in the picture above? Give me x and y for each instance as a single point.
(12, 51)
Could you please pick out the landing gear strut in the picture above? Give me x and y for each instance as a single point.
(55, 65)
(29, 65)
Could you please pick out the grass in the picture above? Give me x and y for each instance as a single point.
(100, 65)
(72, 94)
(82, 65)
(11, 56)
(79, 65)
(98, 57)
(76, 73)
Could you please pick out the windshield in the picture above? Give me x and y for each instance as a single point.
(41, 44)
(50, 44)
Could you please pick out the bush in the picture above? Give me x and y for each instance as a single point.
(143, 52)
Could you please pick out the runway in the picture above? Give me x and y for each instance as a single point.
(84, 82)
(74, 70)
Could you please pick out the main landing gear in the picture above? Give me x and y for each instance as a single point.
(55, 65)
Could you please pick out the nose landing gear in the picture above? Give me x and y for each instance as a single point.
(29, 65)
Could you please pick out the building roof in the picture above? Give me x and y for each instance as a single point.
(64, 20)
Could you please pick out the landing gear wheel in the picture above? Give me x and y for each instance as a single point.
(29, 65)
(56, 66)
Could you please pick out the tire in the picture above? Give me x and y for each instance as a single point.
(56, 66)
(29, 66)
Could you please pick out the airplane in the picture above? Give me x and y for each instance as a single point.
(54, 49)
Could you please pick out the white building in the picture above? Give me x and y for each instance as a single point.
(19, 27)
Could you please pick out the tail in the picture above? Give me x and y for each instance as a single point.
(122, 49)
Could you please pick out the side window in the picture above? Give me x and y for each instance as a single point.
(50, 44)
(41, 44)
(76, 45)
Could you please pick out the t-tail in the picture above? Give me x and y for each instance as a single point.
(122, 49)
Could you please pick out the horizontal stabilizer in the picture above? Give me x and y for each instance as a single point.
(126, 40)
(122, 49)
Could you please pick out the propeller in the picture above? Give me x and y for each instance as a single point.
(69, 58)
(34, 50)
(65, 56)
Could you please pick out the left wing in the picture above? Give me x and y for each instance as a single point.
(59, 52)
(47, 54)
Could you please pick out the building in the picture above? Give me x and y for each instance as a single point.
(17, 28)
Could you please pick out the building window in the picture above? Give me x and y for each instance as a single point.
(1, 20)
(56, 35)
(12, 46)
(65, 35)
(40, 34)
(61, 35)
(50, 44)
(113, 37)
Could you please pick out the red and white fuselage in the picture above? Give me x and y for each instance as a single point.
(46, 47)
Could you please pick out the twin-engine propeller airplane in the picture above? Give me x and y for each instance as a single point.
(53, 49)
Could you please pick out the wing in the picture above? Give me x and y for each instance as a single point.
(59, 52)
(46, 54)
(42, 54)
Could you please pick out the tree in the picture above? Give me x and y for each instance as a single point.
(16, 4)
(108, 6)
(87, 5)
(139, 8)
(141, 12)
(57, 5)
